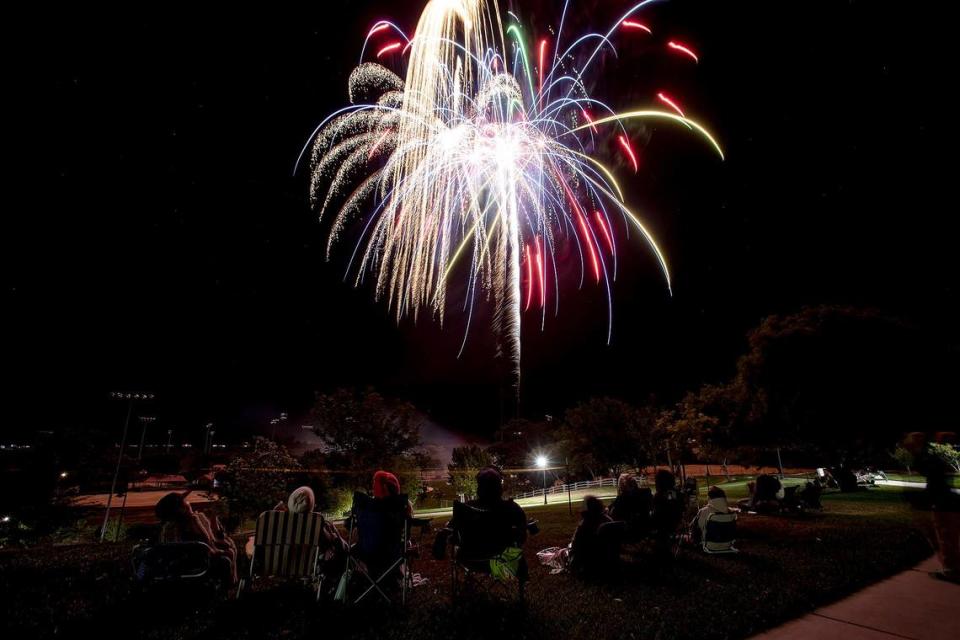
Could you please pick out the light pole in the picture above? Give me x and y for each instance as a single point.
(206, 438)
(143, 434)
(169, 439)
(130, 398)
(542, 463)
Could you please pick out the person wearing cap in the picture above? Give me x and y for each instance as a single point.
(386, 485)
(180, 523)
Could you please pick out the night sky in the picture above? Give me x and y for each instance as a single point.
(156, 239)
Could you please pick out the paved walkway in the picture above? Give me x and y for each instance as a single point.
(909, 605)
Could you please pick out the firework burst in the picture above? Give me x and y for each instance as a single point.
(477, 164)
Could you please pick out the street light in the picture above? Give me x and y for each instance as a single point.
(542, 463)
(143, 434)
(130, 398)
(206, 438)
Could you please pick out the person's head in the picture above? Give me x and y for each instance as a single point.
(664, 481)
(301, 500)
(627, 483)
(385, 484)
(592, 507)
(173, 507)
(715, 492)
(489, 484)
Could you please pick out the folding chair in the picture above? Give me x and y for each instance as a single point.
(171, 562)
(667, 520)
(382, 530)
(720, 533)
(289, 545)
(479, 539)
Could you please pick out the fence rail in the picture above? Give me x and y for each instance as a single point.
(574, 486)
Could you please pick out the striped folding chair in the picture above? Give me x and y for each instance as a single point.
(288, 545)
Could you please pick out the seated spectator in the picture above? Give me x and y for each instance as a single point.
(716, 503)
(301, 500)
(180, 523)
(386, 485)
(810, 495)
(504, 525)
(632, 505)
(765, 494)
(588, 556)
(667, 509)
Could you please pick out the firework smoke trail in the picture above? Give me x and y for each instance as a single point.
(478, 163)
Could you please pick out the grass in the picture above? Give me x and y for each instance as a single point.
(788, 567)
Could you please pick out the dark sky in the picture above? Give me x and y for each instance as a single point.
(155, 238)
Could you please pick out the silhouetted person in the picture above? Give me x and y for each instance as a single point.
(180, 523)
(940, 499)
(632, 505)
(588, 557)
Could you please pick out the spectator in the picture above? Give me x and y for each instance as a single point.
(301, 500)
(667, 510)
(386, 485)
(941, 500)
(765, 494)
(632, 505)
(587, 554)
(180, 523)
(716, 503)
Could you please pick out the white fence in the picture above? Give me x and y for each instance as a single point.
(575, 486)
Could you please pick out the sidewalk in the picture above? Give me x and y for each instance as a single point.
(909, 605)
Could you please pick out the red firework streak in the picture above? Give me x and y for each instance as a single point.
(665, 99)
(629, 151)
(634, 25)
(393, 46)
(543, 59)
(540, 274)
(529, 277)
(684, 49)
(603, 227)
(586, 114)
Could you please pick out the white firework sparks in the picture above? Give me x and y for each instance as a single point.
(476, 165)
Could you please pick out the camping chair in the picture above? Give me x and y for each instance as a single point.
(174, 564)
(289, 545)
(667, 519)
(383, 544)
(480, 542)
(720, 533)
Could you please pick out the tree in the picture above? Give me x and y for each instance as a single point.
(602, 435)
(948, 453)
(465, 462)
(904, 457)
(686, 429)
(363, 432)
(835, 385)
(258, 480)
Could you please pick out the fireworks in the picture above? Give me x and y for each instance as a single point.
(479, 164)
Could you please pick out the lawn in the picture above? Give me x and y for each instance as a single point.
(788, 567)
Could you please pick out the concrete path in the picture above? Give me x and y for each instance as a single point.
(909, 605)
